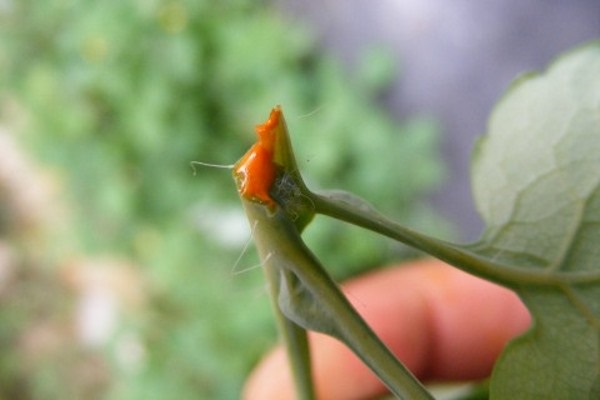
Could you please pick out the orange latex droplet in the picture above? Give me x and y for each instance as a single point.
(255, 171)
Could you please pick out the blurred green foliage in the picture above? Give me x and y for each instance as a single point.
(117, 98)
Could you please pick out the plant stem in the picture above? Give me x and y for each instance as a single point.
(309, 297)
(457, 255)
(293, 336)
(349, 327)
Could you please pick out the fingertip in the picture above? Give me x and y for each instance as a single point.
(471, 320)
(271, 380)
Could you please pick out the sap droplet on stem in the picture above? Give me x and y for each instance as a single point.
(255, 171)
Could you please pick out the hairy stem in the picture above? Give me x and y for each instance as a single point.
(459, 256)
(310, 298)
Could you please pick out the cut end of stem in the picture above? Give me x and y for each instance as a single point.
(268, 174)
(255, 172)
(267, 131)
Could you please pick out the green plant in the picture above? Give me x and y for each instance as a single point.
(536, 181)
(112, 100)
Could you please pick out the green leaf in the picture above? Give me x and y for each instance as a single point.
(559, 357)
(536, 181)
(536, 174)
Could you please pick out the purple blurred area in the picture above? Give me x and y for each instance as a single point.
(455, 59)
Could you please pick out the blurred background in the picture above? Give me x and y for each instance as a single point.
(124, 274)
